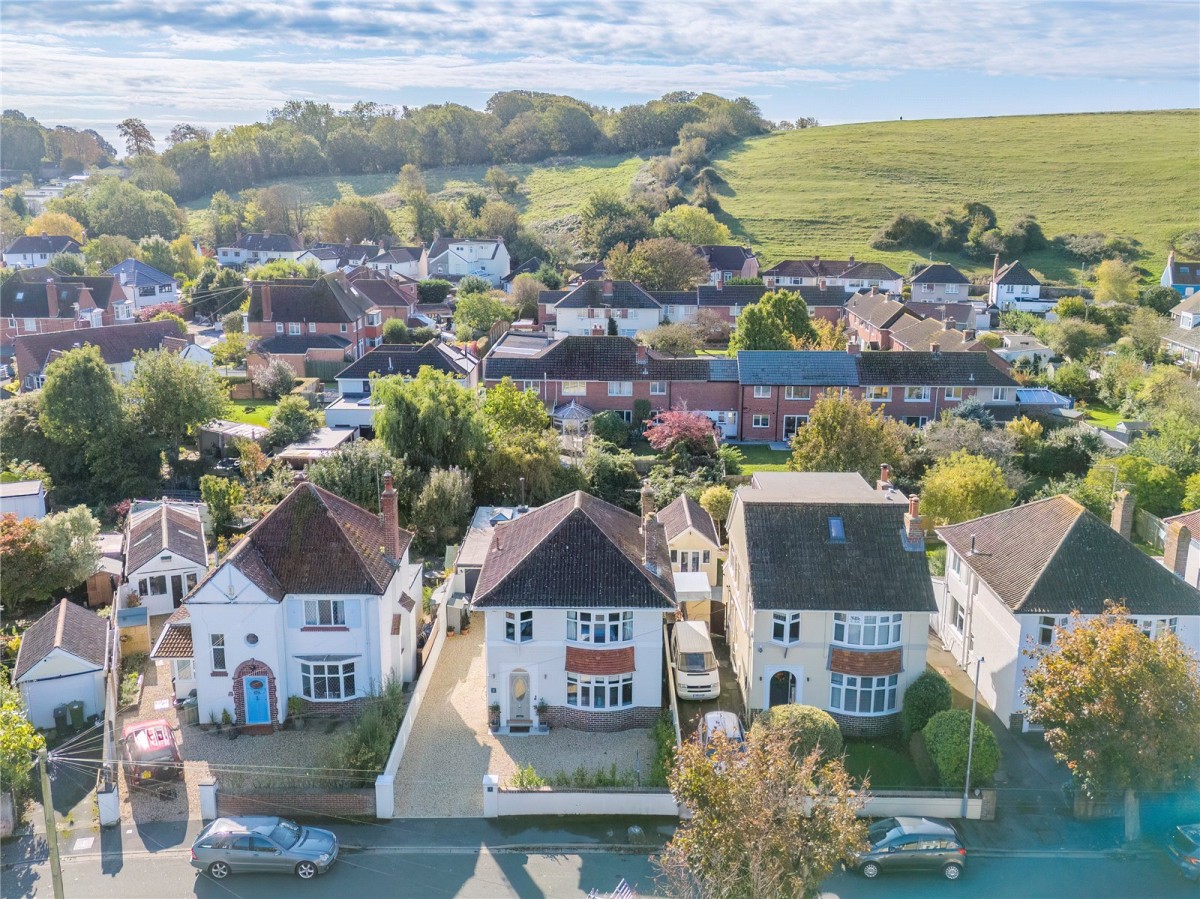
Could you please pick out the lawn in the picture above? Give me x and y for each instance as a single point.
(255, 412)
(1103, 417)
(760, 457)
(886, 761)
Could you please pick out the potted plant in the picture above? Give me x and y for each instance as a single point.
(494, 715)
(542, 706)
(295, 711)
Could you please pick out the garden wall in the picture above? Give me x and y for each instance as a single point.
(359, 802)
(499, 803)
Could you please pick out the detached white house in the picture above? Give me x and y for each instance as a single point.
(1013, 576)
(319, 601)
(165, 556)
(1015, 287)
(453, 258)
(144, 285)
(259, 249)
(586, 310)
(29, 251)
(574, 596)
(62, 659)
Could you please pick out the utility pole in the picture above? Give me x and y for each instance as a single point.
(51, 831)
(971, 736)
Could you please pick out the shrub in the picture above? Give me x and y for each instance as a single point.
(363, 752)
(663, 733)
(946, 737)
(924, 698)
(433, 290)
(904, 232)
(527, 778)
(609, 427)
(231, 322)
(275, 379)
(806, 727)
(935, 558)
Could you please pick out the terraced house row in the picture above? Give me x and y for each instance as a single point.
(761, 395)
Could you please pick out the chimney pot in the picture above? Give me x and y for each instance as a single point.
(969, 334)
(885, 477)
(1176, 547)
(948, 324)
(44, 234)
(914, 505)
(1122, 514)
(935, 348)
(914, 532)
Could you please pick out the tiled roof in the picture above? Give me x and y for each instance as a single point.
(315, 542)
(50, 245)
(1016, 273)
(23, 294)
(588, 271)
(959, 313)
(949, 369)
(822, 296)
(1191, 304)
(870, 271)
(590, 294)
(670, 297)
(794, 564)
(165, 528)
(268, 242)
(921, 334)
(1185, 272)
(441, 246)
(528, 267)
(729, 294)
(724, 257)
(1184, 337)
(1190, 520)
(384, 291)
(331, 298)
(822, 368)
(877, 309)
(399, 255)
(939, 273)
(550, 297)
(578, 358)
(576, 552)
(138, 273)
(722, 369)
(831, 268)
(683, 513)
(1053, 557)
(117, 343)
(409, 359)
(175, 642)
(69, 627)
(299, 344)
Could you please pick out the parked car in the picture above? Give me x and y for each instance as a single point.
(696, 675)
(152, 751)
(1184, 849)
(726, 723)
(263, 844)
(910, 844)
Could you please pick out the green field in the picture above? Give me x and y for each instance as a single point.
(826, 190)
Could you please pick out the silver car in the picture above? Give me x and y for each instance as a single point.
(263, 844)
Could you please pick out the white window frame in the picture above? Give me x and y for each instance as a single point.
(797, 392)
(785, 628)
(1156, 627)
(341, 674)
(917, 394)
(518, 626)
(574, 388)
(954, 563)
(852, 628)
(590, 687)
(312, 327)
(842, 686)
(216, 645)
(959, 613)
(927, 287)
(953, 394)
(999, 394)
(620, 388)
(325, 613)
(951, 288)
(761, 422)
(585, 625)
(878, 394)
(800, 421)
(762, 391)
(1045, 629)
(278, 327)
(658, 388)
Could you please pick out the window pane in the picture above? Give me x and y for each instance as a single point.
(572, 691)
(627, 692)
(794, 629)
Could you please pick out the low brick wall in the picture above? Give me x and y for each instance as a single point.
(358, 802)
(602, 721)
(878, 726)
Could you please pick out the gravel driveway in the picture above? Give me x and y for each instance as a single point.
(450, 749)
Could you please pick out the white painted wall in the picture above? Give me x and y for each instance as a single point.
(61, 678)
(165, 564)
(31, 506)
(575, 322)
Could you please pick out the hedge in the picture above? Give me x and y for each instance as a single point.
(806, 728)
(924, 698)
(946, 737)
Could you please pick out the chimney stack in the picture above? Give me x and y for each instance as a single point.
(968, 335)
(995, 268)
(641, 354)
(606, 288)
(913, 531)
(948, 324)
(390, 516)
(265, 293)
(1175, 551)
(86, 301)
(851, 259)
(1122, 514)
(647, 501)
(885, 478)
(935, 349)
(720, 280)
(52, 299)
(854, 348)
(44, 234)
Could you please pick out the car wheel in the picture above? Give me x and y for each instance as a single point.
(306, 870)
(218, 870)
(870, 870)
(952, 871)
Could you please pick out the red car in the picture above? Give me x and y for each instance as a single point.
(152, 751)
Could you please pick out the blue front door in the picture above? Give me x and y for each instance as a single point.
(258, 710)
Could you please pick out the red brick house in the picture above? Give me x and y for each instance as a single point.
(871, 318)
(118, 346)
(41, 301)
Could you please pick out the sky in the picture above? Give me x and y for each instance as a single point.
(92, 63)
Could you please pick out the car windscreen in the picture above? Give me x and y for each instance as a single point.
(1182, 842)
(286, 834)
(697, 662)
(882, 831)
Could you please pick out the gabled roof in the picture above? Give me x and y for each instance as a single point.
(877, 309)
(12, 489)
(576, 552)
(344, 254)
(959, 313)
(164, 528)
(919, 369)
(528, 267)
(268, 242)
(821, 368)
(175, 642)
(870, 271)
(683, 513)
(922, 333)
(117, 343)
(331, 298)
(315, 542)
(385, 291)
(588, 271)
(409, 359)
(821, 296)
(531, 357)
(795, 562)
(1016, 273)
(1191, 304)
(1190, 520)
(550, 297)
(68, 627)
(672, 297)
(442, 245)
(138, 273)
(725, 257)
(24, 293)
(49, 244)
(729, 294)
(940, 273)
(399, 255)
(625, 295)
(1053, 557)
(831, 268)
(1184, 272)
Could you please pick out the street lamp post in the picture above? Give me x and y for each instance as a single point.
(971, 736)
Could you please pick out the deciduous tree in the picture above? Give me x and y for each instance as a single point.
(678, 428)
(693, 226)
(845, 434)
(660, 263)
(56, 224)
(716, 501)
(355, 472)
(276, 378)
(1120, 709)
(79, 398)
(292, 421)
(222, 496)
(443, 507)
(961, 487)
(1146, 330)
(1116, 282)
(430, 421)
(475, 313)
(676, 338)
(175, 396)
(138, 139)
(507, 409)
(19, 739)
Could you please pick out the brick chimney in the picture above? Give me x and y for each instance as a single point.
(854, 348)
(606, 288)
(885, 477)
(86, 300)
(968, 335)
(1175, 550)
(265, 293)
(851, 259)
(720, 280)
(641, 355)
(995, 268)
(935, 349)
(1122, 514)
(948, 324)
(44, 234)
(390, 516)
(913, 531)
(52, 298)
(647, 501)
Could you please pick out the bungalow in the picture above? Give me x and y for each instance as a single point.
(1184, 338)
(456, 257)
(575, 596)
(318, 601)
(142, 285)
(30, 251)
(1017, 347)
(939, 282)
(62, 660)
(528, 267)
(1013, 576)
(259, 248)
(848, 274)
(118, 346)
(1182, 275)
(165, 556)
(726, 262)
(827, 596)
(1014, 287)
(40, 300)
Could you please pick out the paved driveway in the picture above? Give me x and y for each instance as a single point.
(451, 749)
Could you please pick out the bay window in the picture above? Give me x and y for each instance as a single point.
(866, 630)
(326, 681)
(862, 695)
(599, 627)
(324, 613)
(518, 626)
(785, 627)
(587, 691)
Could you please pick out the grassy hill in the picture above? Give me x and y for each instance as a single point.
(826, 190)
